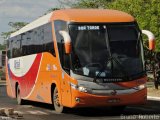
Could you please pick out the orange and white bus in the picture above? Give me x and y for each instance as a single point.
(78, 58)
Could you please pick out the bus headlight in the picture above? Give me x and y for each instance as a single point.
(79, 88)
(73, 86)
(140, 87)
(82, 89)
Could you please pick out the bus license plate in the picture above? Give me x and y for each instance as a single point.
(113, 100)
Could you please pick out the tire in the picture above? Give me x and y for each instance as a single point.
(18, 96)
(58, 108)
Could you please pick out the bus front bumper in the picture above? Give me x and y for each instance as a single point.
(80, 99)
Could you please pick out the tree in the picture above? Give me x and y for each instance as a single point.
(2, 47)
(5, 35)
(67, 3)
(50, 10)
(17, 25)
(91, 3)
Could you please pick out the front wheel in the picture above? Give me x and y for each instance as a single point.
(57, 106)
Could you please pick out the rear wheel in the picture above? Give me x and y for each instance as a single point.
(57, 106)
(19, 99)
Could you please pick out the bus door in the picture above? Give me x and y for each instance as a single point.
(65, 84)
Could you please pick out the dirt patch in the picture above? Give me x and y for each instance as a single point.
(153, 92)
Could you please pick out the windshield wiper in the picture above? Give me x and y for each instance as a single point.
(118, 63)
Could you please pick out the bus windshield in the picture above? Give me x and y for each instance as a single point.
(94, 45)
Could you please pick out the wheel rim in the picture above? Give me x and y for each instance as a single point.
(56, 98)
(56, 101)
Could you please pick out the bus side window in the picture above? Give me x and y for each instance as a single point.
(41, 38)
(66, 61)
(64, 58)
(35, 41)
(48, 44)
(28, 41)
(24, 44)
(14, 48)
(18, 46)
(38, 43)
(9, 48)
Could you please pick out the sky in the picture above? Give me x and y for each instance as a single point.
(23, 11)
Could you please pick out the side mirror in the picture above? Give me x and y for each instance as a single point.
(67, 41)
(151, 39)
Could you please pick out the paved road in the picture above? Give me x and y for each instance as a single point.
(39, 111)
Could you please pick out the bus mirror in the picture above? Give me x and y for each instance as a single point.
(151, 39)
(67, 41)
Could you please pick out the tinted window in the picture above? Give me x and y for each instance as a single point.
(60, 25)
(16, 51)
(119, 33)
(48, 43)
(31, 42)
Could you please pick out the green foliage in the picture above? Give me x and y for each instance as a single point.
(50, 10)
(5, 35)
(91, 3)
(146, 12)
(17, 25)
(2, 47)
(67, 3)
(2, 73)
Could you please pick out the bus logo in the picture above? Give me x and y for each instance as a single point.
(17, 64)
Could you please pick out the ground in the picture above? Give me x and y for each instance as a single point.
(153, 92)
(150, 87)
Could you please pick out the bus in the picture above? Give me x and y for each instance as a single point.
(78, 58)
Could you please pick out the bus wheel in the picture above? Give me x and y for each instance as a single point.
(57, 106)
(19, 99)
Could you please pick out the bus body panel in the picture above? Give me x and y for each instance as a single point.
(9, 88)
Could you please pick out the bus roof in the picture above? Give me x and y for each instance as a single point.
(92, 15)
(38, 22)
(79, 15)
